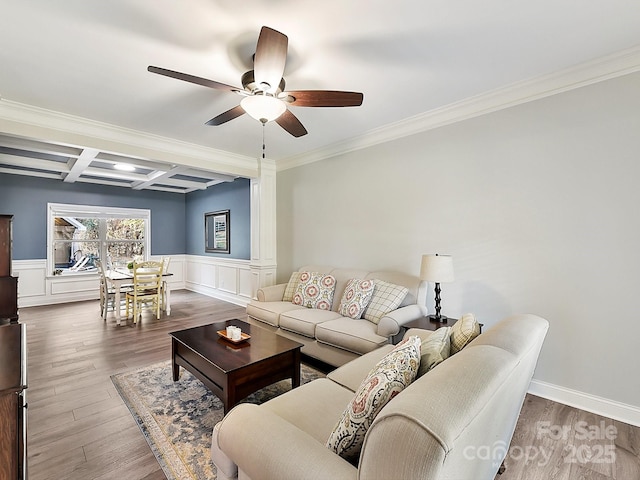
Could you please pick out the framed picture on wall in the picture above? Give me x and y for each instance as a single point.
(216, 232)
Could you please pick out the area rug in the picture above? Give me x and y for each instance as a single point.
(177, 418)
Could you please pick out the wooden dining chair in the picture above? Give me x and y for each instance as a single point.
(147, 289)
(165, 269)
(107, 292)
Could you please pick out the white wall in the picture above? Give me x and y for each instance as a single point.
(539, 206)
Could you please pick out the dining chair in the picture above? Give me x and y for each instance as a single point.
(107, 292)
(147, 288)
(165, 269)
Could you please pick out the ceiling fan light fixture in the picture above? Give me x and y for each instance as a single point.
(263, 108)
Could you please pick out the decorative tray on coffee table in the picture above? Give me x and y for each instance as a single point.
(243, 336)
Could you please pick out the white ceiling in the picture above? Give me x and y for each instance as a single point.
(87, 60)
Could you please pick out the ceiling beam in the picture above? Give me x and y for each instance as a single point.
(80, 164)
(19, 143)
(154, 177)
(33, 163)
(138, 162)
(210, 175)
(15, 171)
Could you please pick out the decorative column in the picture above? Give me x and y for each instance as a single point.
(263, 226)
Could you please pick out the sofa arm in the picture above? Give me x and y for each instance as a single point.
(390, 324)
(272, 293)
(264, 445)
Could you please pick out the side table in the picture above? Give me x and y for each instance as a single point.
(425, 324)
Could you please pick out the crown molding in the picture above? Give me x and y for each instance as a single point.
(30, 121)
(604, 68)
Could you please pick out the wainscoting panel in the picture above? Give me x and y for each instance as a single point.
(31, 277)
(228, 279)
(224, 278)
(36, 288)
(207, 274)
(245, 284)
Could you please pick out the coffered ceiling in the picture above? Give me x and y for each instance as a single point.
(75, 164)
(76, 97)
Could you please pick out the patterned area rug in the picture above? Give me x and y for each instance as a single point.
(177, 418)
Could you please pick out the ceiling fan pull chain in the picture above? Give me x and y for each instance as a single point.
(263, 145)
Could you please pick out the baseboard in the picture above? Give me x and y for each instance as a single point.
(584, 401)
(219, 294)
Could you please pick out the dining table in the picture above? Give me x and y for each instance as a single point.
(119, 277)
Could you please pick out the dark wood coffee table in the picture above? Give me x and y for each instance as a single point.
(234, 370)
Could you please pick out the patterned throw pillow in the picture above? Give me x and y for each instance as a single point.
(315, 290)
(386, 298)
(290, 289)
(463, 331)
(356, 297)
(434, 350)
(392, 374)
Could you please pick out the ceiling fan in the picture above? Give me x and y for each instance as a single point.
(263, 88)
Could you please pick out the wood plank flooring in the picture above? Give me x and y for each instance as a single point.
(79, 428)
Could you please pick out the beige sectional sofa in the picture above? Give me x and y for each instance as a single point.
(326, 334)
(454, 422)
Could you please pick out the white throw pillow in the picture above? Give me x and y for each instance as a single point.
(386, 298)
(356, 297)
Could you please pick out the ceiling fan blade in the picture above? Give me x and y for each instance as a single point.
(224, 117)
(291, 124)
(192, 79)
(322, 98)
(271, 56)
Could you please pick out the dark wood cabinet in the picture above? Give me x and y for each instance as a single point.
(5, 245)
(13, 404)
(13, 367)
(8, 284)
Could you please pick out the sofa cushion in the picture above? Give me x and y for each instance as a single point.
(434, 349)
(269, 312)
(304, 320)
(314, 407)
(463, 331)
(351, 374)
(355, 335)
(386, 297)
(356, 297)
(389, 376)
(291, 287)
(315, 290)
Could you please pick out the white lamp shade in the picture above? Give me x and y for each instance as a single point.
(263, 108)
(437, 268)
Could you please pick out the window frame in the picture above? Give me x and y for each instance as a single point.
(92, 211)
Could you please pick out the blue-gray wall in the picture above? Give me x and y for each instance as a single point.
(26, 199)
(234, 196)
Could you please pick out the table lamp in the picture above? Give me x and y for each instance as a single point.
(438, 269)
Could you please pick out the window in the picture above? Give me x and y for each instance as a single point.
(77, 235)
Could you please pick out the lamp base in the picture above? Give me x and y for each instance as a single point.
(437, 318)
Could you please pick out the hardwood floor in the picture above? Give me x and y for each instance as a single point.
(555, 441)
(79, 428)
